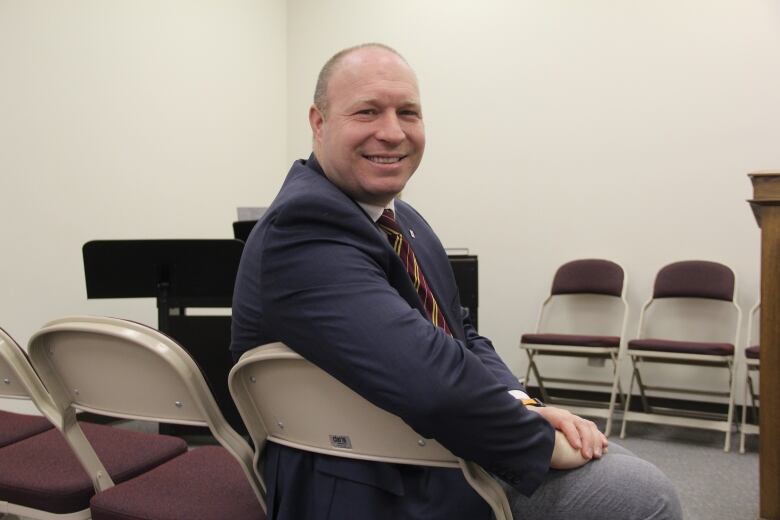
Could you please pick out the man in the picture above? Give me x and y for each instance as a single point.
(357, 282)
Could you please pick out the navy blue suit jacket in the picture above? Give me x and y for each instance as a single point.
(319, 275)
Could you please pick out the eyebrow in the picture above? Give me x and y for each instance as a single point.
(375, 101)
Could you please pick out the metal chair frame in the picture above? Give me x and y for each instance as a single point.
(675, 416)
(612, 354)
(285, 399)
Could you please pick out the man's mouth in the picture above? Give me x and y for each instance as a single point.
(383, 160)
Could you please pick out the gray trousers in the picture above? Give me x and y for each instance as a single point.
(619, 486)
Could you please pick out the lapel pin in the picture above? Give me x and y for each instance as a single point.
(411, 232)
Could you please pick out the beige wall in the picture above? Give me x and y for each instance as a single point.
(129, 119)
(556, 130)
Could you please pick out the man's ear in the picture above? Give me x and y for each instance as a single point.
(316, 119)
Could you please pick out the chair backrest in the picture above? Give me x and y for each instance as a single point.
(18, 379)
(693, 300)
(285, 399)
(587, 297)
(695, 279)
(591, 276)
(123, 369)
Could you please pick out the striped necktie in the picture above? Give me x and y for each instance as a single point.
(404, 251)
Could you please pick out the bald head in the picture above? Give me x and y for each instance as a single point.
(330, 67)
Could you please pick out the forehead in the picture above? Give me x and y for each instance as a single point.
(373, 74)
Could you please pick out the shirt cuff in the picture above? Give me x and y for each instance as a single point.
(519, 394)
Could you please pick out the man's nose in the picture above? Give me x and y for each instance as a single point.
(389, 128)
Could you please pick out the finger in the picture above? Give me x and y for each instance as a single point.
(591, 443)
(601, 442)
(572, 433)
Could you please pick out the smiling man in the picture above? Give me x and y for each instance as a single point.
(357, 282)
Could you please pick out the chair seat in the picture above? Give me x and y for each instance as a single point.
(575, 340)
(752, 352)
(15, 426)
(41, 472)
(168, 492)
(682, 347)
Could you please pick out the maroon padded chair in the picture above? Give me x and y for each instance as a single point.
(124, 369)
(15, 426)
(40, 476)
(692, 320)
(584, 317)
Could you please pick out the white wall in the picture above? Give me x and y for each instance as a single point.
(555, 130)
(135, 119)
(561, 129)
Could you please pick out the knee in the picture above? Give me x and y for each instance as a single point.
(654, 496)
(667, 502)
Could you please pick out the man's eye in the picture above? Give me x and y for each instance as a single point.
(409, 113)
(367, 112)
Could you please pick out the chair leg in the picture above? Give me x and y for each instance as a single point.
(753, 399)
(628, 399)
(732, 397)
(527, 379)
(645, 403)
(613, 395)
(744, 415)
(532, 366)
(487, 487)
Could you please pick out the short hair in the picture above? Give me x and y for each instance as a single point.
(321, 90)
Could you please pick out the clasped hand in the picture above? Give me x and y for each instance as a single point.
(577, 440)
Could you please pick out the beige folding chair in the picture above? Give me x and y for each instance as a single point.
(122, 369)
(285, 399)
(40, 476)
(18, 381)
(752, 365)
(584, 317)
(688, 327)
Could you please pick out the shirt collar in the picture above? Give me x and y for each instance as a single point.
(373, 211)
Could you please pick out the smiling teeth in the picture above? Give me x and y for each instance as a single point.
(383, 160)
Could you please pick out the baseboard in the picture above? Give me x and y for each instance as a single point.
(636, 401)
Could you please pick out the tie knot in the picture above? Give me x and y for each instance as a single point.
(387, 220)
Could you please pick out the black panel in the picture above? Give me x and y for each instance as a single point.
(466, 271)
(207, 339)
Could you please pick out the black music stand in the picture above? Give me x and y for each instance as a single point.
(242, 228)
(180, 274)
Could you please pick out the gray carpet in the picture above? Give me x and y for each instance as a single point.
(712, 484)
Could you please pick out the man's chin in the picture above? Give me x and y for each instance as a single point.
(387, 191)
(379, 197)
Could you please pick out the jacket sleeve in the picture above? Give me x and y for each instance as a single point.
(483, 348)
(325, 292)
